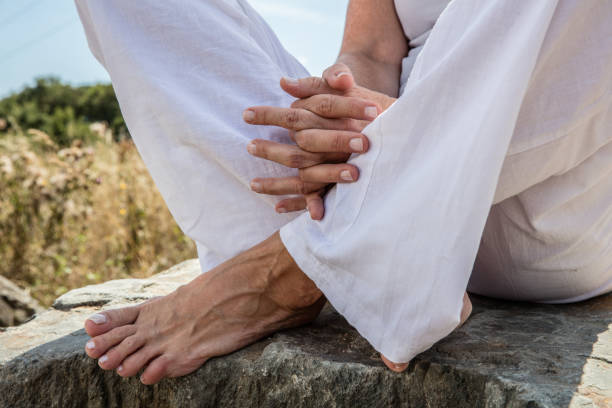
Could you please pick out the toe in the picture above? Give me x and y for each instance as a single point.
(99, 345)
(102, 322)
(155, 371)
(136, 361)
(397, 367)
(113, 357)
(466, 311)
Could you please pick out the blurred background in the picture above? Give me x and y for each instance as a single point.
(77, 205)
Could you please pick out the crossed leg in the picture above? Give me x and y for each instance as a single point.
(242, 300)
(177, 118)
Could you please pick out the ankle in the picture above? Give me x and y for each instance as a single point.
(287, 285)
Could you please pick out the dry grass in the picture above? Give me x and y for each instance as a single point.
(82, 215)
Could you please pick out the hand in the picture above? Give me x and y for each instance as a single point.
(325, 124)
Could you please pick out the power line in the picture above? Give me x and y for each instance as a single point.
(19, 13)
(52, 31)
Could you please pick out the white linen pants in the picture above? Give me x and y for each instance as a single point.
(503, 133)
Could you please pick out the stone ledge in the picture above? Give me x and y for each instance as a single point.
(506, 355)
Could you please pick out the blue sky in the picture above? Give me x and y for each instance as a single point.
(45, 37)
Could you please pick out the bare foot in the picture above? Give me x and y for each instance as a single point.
(248, 297)
(465, 314)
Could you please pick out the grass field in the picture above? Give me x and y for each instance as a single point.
(80, 215)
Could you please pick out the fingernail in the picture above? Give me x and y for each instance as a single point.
(248, 115)
(281, 210)
(98, 318)
(346, 175)
(341, 74)
(90, 345)
(371, 112)
(251, 148)
(255, 186)
(291, 81)
(120, 368)
(356, 144)
(103, 359)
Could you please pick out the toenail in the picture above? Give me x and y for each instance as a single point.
(103, 359)
(91, 345)
(98, 318)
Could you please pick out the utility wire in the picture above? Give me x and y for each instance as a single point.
(47, 34)
(10, 19)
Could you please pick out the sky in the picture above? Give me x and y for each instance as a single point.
(45, 37)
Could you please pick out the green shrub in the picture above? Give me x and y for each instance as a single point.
(62, 111)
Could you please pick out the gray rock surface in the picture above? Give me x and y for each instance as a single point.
(506, 355)
(16, 305)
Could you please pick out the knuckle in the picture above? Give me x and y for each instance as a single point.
(300, 187)
(295, 160)
(129, 342)
(302, 174)
(336, 142)
(292, 118)
(326, 105)
(314, 83)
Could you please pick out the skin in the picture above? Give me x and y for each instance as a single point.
(242, 300)
(262, 290)
(366, 75)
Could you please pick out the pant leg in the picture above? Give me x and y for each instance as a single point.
(183, 71)
(395, 251)
(549, 236)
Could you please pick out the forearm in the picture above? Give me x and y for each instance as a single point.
(372, 74)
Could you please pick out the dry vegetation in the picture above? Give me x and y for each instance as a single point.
(78, 215)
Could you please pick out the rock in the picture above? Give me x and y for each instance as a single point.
(16, 305)
(507, 355)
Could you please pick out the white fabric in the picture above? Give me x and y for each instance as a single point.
(508, 103)
(417, 18)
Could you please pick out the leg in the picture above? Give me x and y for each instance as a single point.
(183, 73)
(182, 89)
(428, 182)
(229, 307)
(260, 290)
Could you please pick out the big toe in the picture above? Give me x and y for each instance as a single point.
(102, 322)
(397, 367)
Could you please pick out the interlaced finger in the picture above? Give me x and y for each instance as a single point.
(284, 186)
(290, 118)
(335, 106)
(319, 140)
(306, 87)
(330, 173)
(290, 155)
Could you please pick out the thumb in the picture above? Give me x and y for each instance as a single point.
(339, 77)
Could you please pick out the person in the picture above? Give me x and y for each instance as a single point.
(453, 145)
